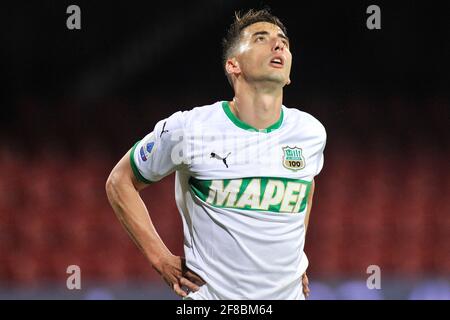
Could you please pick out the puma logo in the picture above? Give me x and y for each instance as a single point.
(224, 159)
(163, 131)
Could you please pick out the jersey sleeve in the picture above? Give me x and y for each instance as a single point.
(160, 152)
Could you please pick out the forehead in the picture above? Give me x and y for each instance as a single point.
(261, 26)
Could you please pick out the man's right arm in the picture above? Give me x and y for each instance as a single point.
(122, 188)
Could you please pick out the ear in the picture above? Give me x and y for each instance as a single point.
(288, 82)
(232, 66)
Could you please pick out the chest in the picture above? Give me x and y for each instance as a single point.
(234, 155)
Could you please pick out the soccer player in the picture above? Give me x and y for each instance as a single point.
(244, 178)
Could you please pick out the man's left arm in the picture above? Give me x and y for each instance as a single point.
(309, 205)
(305, 282)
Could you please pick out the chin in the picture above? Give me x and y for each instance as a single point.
(277, 80)
(273, 78)
(277, 77)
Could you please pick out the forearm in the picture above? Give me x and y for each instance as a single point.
(309, 207)
(307, 218)
(133, 215)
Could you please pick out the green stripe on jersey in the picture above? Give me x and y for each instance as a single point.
(134, 167)
(241, 124)
(260, 193)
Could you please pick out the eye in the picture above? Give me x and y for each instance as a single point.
(259, 38)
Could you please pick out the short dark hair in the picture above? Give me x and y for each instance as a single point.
(241, 22)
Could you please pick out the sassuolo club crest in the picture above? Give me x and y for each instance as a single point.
(293, 158)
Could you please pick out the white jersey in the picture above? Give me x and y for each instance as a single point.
(242, 195)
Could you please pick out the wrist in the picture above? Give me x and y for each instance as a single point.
(159, 260)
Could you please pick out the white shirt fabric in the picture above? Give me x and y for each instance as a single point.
(243, 217)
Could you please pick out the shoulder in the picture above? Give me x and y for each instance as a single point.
(201, 114)
(186, 118)
(296, 117)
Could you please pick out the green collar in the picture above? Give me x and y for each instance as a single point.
(239, 123)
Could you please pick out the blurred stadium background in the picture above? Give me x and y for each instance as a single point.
(73, 102)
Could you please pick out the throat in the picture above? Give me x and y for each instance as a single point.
(260, 118)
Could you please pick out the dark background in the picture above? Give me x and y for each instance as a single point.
(74, 101)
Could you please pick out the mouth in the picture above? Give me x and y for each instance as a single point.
(277, 62)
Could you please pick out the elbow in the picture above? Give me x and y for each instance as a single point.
(111, 183)
(116, 183)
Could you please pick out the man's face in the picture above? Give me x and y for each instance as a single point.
(263, 54)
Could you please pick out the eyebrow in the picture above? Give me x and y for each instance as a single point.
(267, 33)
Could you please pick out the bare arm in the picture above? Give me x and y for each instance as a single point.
(308, 210)
(305, 281)
(122, 189)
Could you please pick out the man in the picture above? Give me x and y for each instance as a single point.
(244, 178)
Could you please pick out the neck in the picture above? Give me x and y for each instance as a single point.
(257, 107)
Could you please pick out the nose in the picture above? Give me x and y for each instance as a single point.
(279, 45)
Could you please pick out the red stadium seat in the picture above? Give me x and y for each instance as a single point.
(371, 207)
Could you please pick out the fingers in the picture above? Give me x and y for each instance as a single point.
(190, 275)
(180, 278)
(189, 285)
(178, 290)
(306, 291)
(305, 279)
(194, 278)
(183, 282)
(305, 284)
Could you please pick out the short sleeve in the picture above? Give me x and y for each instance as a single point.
(160, 152)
